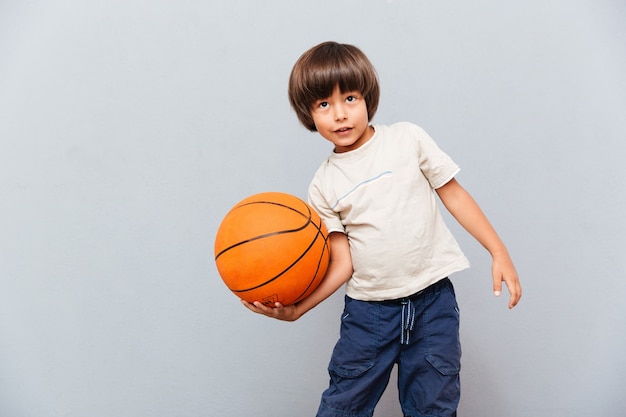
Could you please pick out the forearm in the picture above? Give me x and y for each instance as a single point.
(469, 215)
(338, 273)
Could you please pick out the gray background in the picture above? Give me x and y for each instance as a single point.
(129, 128)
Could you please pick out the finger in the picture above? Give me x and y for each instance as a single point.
(248, 305)
(255, 307)
(515, 290)
(497, 285)
(263, 308)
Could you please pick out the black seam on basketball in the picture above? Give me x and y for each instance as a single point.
(274, 278)
(243, 242)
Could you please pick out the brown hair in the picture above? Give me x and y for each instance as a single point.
(320, 69)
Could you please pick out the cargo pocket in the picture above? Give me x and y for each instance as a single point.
(346, 371)
(445, 366)
(355, 352)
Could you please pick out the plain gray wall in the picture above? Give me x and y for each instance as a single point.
(129, 128)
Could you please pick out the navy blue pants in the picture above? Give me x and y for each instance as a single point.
(419, 333)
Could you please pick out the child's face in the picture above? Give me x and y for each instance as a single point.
(342, 119)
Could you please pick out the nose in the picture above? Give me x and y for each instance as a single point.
(340, 113)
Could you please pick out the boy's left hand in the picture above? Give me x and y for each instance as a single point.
(503, 270)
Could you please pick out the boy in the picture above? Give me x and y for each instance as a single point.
(389, 244)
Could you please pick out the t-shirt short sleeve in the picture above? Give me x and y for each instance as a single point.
(435, 164)
(331, 219)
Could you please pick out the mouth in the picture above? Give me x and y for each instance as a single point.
(343, 130)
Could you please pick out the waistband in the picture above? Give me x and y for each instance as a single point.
(437, 286)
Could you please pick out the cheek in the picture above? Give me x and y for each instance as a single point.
(363, 111)
(319, 121)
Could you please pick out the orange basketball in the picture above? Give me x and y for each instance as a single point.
(272, 247)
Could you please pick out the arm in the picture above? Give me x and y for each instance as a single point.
(338, 273)
(469, 215)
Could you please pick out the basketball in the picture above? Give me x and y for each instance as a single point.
(272, 247)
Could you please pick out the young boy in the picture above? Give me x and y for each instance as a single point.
(388, 243)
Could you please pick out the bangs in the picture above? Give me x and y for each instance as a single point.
(322, 79)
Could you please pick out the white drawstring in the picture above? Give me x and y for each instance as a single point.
(408, 320)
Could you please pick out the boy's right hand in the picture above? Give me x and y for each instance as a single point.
(279, 311)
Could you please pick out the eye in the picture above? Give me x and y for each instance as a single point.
(350, 99)
(323, 104)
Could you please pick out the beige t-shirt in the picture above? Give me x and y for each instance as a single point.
(381, 196)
